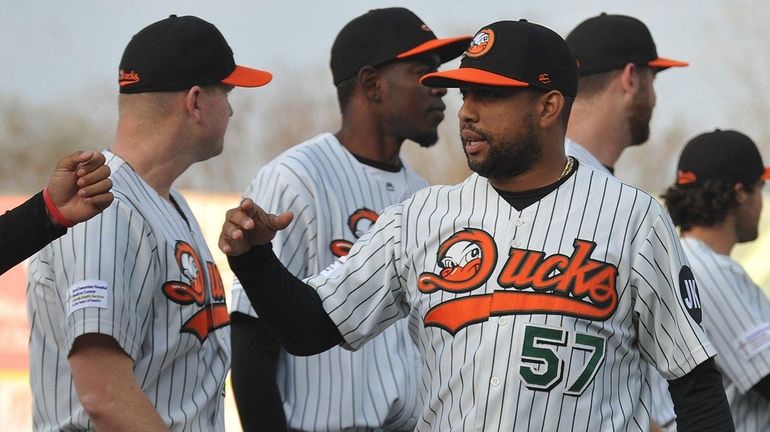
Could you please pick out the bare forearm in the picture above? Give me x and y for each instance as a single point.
(104, 380)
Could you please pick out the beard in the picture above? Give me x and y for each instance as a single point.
(426, 139)
(639, 120)
(509, 157)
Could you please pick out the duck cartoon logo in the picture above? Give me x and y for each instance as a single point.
(212, 315)
(466, 259)
(359, 223)
(530, 282)
(481, 43)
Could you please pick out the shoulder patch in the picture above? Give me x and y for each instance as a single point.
(87, 294)
(688, 289)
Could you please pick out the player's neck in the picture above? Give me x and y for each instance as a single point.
(544, 173)
(369, 143)
(720, 238)
(604, 133)
(158, 162)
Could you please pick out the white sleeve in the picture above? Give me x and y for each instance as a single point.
(667, 304)
(737, 319)
(366, 294)
(110, 270)
(275, 189)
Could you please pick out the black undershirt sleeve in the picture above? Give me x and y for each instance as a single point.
(700, 402)
(25, 230)
(763, 387)
(288, 307)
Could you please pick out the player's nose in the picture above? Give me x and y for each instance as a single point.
(467, 112)
(438, 91)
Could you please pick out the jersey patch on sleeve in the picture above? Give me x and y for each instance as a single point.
(87, 294)
(689, 292)
(755, 341)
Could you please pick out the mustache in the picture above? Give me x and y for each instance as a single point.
(470, 133)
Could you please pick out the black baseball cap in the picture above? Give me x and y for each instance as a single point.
(609, 42)
(180, 52)
(513, 54)
(382, 35)
(725, 155)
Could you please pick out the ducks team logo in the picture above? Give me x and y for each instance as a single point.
(481, 43)
(528, 283)
(359, 223)
(213, 312)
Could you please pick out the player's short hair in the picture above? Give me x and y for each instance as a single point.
(593, 85)
(565, 112)
(345, 90)
(706, 204)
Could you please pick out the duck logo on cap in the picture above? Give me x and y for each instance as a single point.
(481, 43)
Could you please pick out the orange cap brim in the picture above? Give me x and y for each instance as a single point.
(461, 76)
(432, 45)
(663, 63)
(247, 77)
(765, 175)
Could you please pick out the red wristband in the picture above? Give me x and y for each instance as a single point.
(55, 213)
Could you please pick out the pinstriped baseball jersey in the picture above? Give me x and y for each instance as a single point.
(576, 150)
(737, 321)
(141, 273)
(335, 199)
(527, 320)
(662, 413)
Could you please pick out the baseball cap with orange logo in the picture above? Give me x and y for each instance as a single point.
(609, 42)
(513, 54)
(724, 155)
(382, 35)
(180, 52)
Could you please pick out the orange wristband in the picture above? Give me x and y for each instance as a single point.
(55, 213)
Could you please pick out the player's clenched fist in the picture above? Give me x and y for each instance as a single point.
(79, 187)
(248, 225)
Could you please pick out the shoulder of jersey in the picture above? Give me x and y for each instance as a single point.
(302, 157)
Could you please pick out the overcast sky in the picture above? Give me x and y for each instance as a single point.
(56, 52)
(55, 49)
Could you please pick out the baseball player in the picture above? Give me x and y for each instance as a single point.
(129, 326)
(337, 184)
(79, 189)
(618, 63)
(612, 111)
(716, 202)
(537, 288)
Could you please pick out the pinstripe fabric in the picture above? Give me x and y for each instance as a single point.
(736, 315)
(470, 273)
(329, 192)
(661, 413)
(136, 247)
(576, 150)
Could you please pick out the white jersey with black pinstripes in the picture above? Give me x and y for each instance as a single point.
(335, 199)
(662, 413)
(141, 273)
(737, 321)
(527, 320)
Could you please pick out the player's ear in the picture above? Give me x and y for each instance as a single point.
(192, 101)
(548, 108)
(369, 82)
(741, 194)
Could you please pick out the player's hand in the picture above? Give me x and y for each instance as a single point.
(248, 225)
(80, 186)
